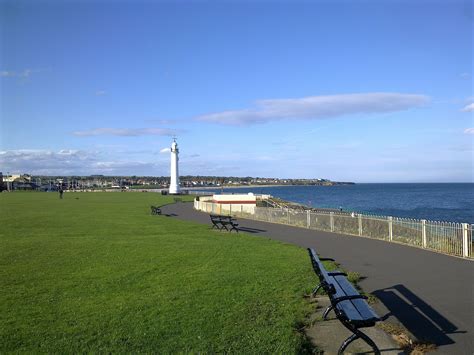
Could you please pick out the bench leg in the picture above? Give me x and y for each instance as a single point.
(357, 335)
(316, 289)
(326, 312)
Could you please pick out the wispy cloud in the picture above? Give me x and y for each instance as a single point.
(126, 132)
(165, 150)
(68, 161)
(25, 73)
(469, 130)
(162, 121)
(41, 161)
(100, 93)
(318, 107)
(465, 75)
(468, 108)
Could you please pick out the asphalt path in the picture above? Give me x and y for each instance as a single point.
(430, 294)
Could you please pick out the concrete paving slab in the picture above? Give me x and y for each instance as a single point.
(329, 335)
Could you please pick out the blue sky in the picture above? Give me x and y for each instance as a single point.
(365, 91)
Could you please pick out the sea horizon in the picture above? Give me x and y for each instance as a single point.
(451, 202)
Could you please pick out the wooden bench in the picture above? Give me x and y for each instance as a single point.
(155, 210)
(350, 307)
(223, 222)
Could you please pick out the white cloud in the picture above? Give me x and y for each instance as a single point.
(162, 121)
(318, 107)
(469, 130)
(165, 150)
(25, 73)
(112, 166)
(126, 132)
(41, 161)
(70, 162)
(6, 73)
(468, 108)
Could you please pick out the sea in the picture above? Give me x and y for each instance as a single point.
(450, 202)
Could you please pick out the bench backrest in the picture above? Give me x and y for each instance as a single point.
(318, 266)
(219, 217)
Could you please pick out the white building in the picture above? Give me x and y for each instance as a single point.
(174, 175)
(11, 177)
(228, 204)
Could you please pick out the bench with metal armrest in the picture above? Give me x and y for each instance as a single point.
(155, 210)
(350, 307)
(223, 222)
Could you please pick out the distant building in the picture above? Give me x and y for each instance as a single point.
(21, 184)
(11, 178)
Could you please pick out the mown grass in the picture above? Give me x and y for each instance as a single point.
(95, 272)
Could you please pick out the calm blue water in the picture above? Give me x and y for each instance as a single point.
(439, 202)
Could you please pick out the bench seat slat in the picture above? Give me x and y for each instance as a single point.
(364, 309)
(367, 315)
(347, 307)
(347, 287)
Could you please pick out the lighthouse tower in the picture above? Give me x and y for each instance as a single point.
(174, 180)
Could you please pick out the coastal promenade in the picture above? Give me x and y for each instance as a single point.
(430, 294)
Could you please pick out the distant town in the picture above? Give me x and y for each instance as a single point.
(11, 182)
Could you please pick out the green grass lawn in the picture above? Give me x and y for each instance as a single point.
(96, 272)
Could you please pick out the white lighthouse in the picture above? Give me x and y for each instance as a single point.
(174, 176)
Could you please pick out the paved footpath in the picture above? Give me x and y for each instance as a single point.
(431, 294)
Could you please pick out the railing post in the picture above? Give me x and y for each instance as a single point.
(220, 209)
(359, 217)
(465, 240)
(423, 233)
(308, 218)
(230, 210)
(288, 213)
(331, 220)
(390, 228)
